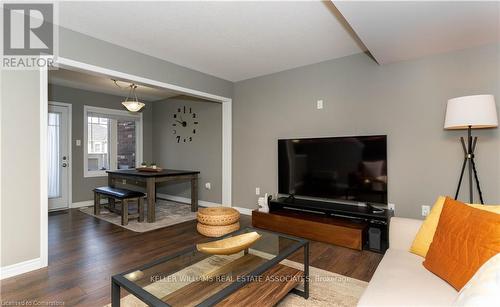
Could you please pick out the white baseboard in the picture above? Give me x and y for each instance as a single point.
(187, 200)
(87, 203)
(244, 211)
(20, 268)
(84, 203)
(180, 199)
(202, 203)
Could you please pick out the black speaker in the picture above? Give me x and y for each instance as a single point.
(374, 238)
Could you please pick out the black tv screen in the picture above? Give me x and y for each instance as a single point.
(337, 168)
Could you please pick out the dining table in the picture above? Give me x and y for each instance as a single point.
(151, 179)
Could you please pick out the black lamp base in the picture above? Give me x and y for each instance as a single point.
(469, 159)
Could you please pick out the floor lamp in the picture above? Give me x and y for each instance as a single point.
(470, 112)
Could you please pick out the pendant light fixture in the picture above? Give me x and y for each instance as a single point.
(132, 103)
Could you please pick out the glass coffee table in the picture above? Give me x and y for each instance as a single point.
(260, 275)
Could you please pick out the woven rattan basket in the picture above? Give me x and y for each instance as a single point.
(218, 216)
(217, 231)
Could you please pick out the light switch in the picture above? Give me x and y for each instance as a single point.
(78, 142)
(208, 186)
(319, 104)
(257, 191)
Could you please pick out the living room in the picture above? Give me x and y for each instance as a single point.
(278, 71)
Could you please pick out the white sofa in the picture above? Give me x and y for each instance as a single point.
(401, 279)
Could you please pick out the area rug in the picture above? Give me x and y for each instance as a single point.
(325, 288)
(168, 213)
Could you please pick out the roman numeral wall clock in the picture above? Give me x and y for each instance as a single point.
(185, 124)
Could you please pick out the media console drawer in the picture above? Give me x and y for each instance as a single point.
(326, 229)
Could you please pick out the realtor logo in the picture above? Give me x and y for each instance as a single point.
(28, 29)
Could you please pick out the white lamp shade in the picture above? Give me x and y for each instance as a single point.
(477, 111)
(133, 105)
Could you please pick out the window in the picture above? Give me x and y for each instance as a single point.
(113, 140)
(98, 135)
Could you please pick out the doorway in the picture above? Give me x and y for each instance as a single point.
(59, 156)
(96, 70)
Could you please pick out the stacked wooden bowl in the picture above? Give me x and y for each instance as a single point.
(217, 221)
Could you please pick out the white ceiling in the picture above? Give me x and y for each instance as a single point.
(105, 85)
(241, 40)
(396, 31)
(230, 40)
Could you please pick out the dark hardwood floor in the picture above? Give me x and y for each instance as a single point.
(84, 252)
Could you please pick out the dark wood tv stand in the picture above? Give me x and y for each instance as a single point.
(334, 223)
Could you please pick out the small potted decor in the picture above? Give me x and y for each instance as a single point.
(145, 167)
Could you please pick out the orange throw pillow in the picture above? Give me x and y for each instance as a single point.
(465, 239)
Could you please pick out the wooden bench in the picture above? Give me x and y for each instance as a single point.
(124, 196)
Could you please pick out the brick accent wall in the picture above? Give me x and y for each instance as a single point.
(126, 144)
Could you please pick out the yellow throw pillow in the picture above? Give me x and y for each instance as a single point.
(425, 234)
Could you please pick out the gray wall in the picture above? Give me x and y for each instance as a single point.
(204, 153)
(404, 100)
(20, 170)
(82, 187)
(89, 50)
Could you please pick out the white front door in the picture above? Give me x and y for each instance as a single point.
(58, 156)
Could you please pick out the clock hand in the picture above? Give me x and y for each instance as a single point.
(183, 123)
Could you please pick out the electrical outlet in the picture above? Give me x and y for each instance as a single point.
(257, 191)
(426, 210)
(124, 181)
(208, 186)
(319, 104)
(78, 142)
(391, 207)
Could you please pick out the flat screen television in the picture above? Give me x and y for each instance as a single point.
(352, 169)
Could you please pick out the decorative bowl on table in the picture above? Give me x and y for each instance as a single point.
(229, 246)
(149, 169)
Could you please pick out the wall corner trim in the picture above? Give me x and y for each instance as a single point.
(44, 194)
(21, 267)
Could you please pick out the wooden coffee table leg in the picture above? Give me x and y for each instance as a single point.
(151, 190)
